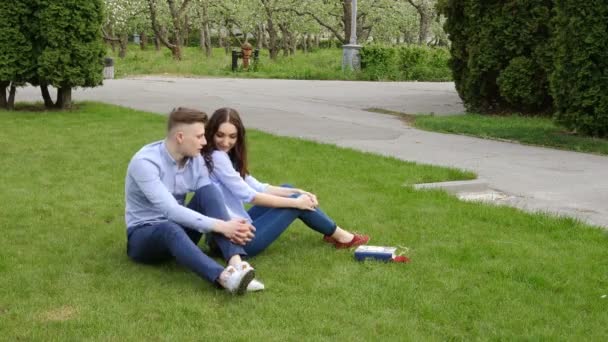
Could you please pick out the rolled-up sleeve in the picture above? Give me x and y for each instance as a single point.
(255, 184)
(146, 175)
(225, 174)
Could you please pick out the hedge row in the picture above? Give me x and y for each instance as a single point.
(410, 62)
(532, 56)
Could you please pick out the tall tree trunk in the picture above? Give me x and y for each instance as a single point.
(293, 39)
(186, 31)
(176, 52)
(227, 42)
(3, 100)
(220, 37)
(143, 40)
(46, 96)
(273, 47)
(156, 43)
(177, 15)
(10, 105)
(208, 47)
(261, 36)
(64, 98)
(205, 33)
(347, 12)
(426, 13)
(305, 42)
(124, 39)
(112, 42)
(425, 27)
(284, 39)
(201, 37)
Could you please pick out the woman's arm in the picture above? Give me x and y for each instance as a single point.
(246, 191)
(273, 201)
(286, 192)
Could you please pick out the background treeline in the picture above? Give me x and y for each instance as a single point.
(280, 26)
(532, 56)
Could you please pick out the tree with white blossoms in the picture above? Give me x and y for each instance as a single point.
(399, 24)
(169, 23)
(201, 11)
(238, 16)
(335, 15)
(125, 17)
(427, 12)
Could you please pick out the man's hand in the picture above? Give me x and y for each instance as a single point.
(238, 231)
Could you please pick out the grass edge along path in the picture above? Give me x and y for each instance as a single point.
(526, 130)
(320, 64)
(477, 271)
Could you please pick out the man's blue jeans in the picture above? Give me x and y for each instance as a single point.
(270, 223)
(157, 242)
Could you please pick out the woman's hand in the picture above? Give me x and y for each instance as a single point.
(305, 202)
(309, 194)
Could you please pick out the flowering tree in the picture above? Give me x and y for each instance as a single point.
(125, 17)
(171, 29)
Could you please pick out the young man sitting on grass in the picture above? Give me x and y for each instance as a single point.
(160, 227)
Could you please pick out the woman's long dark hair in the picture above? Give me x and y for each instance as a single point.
(238, 154)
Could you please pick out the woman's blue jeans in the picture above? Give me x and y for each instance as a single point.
(158, 242)
(270, 223)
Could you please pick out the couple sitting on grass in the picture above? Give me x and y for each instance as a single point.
(209, 158)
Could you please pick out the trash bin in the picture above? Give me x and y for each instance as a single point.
(108, 68)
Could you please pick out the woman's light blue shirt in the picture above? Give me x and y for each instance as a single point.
(236, 190)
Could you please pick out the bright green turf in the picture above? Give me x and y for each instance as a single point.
(478, 271)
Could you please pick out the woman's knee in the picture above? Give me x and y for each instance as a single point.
(289, 186)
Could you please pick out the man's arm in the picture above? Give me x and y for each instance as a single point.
(146, 176)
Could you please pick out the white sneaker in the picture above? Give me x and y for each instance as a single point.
(236, 280)
(254, 285)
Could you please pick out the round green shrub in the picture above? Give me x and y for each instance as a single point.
(579, 81)
(486, 36)
(523, 84)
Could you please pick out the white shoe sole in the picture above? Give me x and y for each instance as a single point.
(247, 278)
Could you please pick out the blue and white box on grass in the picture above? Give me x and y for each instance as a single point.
(375, 253)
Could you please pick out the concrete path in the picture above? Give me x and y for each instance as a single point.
(568, 183)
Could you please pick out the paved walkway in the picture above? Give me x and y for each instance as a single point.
(569, 183)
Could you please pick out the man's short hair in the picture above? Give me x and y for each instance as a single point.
(182, 115)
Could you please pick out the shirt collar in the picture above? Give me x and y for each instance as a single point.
(167, 156)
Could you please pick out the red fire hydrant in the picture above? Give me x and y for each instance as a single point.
(246, 51)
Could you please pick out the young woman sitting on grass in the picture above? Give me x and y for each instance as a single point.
(274, 207)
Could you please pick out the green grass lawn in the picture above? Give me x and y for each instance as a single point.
(540, 131)
(477, 271)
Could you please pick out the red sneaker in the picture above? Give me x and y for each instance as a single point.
(401, 258)
(329, 239)
(357, 240)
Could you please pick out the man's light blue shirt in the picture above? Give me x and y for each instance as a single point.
(156, 188)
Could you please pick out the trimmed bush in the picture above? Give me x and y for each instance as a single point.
(17, 63)
(499, 53)
(579, 81)
(523, 84)
(72, 49)
(412, 62)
